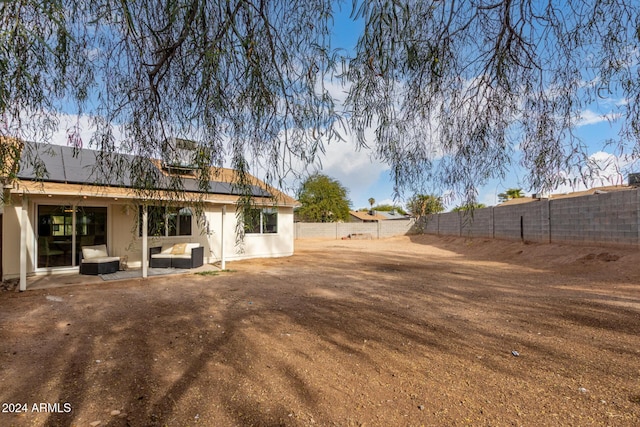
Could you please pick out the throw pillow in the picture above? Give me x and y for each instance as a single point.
(178, 249)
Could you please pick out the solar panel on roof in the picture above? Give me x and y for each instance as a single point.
(66, 165)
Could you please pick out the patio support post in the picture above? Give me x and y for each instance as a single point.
(74, 241)
(145, 243)
(24, 219)
(222, 257)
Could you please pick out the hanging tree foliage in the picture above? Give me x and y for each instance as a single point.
(452, 88)
(243, 79)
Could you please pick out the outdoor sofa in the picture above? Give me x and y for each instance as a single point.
(178, 255)
(95, 260)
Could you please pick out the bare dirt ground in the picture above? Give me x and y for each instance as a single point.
(405, 331)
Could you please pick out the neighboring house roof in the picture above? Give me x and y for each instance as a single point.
(365, 216)
(114, 172)
(517, 201)
(589, 192)
(392, 215)
(595, 190)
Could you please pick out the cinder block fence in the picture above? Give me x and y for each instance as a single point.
(607, 218)
(338, 230)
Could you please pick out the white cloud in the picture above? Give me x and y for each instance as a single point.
(346, 159)
(83, 127)
(603, 169)
(337, 90)
(70, 124)
(609, 169)
(354, 168)
(589, 117)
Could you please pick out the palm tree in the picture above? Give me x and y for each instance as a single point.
(371, 202)
(469, 207)
(511, 193)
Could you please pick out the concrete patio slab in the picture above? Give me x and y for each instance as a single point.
(58, 280)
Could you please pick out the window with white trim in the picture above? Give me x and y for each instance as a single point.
(261, 221)
(167, 221)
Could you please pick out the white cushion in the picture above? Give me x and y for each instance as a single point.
(162, 256)
(167, 251)
(190, 246)
(97, 251)
(100, 260)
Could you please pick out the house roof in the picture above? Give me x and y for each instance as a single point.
(392, 215)
(365, 216)
(589, 192)
(115, 172)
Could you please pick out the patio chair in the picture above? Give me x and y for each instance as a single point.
(46, 252)
(179, 255)
(96, 260)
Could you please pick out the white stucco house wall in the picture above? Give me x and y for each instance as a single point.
(45, 222)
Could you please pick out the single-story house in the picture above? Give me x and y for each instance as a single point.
(47, 219)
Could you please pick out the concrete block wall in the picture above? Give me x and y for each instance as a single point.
(338, 230)
(541, 222)
(449, 223)
(528, 221)
(478, 223)
(346, 228)
(395, 228)
(608, 218)
(314, 230)
(431, 224)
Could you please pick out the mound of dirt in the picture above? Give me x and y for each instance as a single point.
(603, 256)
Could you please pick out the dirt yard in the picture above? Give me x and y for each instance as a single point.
(395, 332)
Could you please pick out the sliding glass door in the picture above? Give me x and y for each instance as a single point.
(55, 229)
(91, 227)
(63, 230)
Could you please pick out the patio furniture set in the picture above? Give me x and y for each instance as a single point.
(96, 260)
